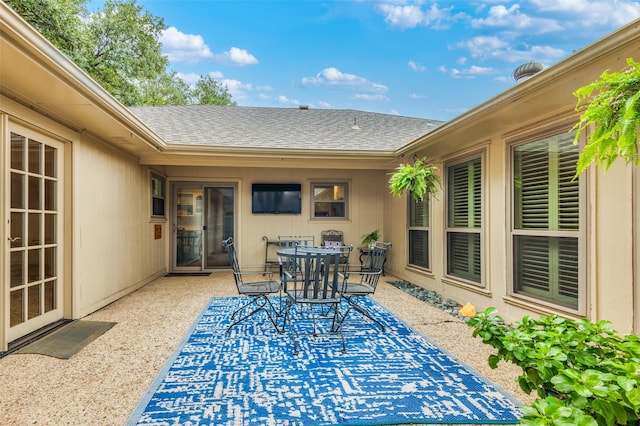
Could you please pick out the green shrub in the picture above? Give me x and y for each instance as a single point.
(584, 373)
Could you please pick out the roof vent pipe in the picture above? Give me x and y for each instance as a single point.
(527, 70)
(304, 107)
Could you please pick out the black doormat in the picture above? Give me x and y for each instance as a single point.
(188, 274)
(67, 340)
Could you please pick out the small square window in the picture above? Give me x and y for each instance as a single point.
(330, 200)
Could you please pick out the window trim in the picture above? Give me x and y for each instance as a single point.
(482, 284)
(522, 299)
(157, 176)
(326, 183)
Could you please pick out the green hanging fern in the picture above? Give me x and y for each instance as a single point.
(613, 108)
(419, 178)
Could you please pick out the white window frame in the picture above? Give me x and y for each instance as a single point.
(326, 184)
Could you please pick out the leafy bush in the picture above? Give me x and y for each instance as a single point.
(584, 373)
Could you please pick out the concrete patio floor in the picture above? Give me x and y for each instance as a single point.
(102, 384)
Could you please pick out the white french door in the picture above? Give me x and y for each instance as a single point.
(33, 289)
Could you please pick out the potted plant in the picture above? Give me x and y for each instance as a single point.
(370, 239)
(419, 178)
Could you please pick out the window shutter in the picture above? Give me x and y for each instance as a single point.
(418, 213)
(464, 255)
(533, 188)
(419, 232)
(464, 210)
(465, 195)
(419, 248)
(547, 196)
(569, 188)
(546, 202)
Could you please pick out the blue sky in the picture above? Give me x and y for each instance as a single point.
(413, 58)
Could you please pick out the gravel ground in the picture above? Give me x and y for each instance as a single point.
(102, 383)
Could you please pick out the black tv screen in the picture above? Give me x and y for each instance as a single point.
(276, 198)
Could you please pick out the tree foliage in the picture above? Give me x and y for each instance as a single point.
(611, 105)
(59, 21)
(209, 91)
(119, 47)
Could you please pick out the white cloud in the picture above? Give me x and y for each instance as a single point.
(587, 13)
(416, 67)
(514, 20)
(286, 101)
(237, 89)
(416, 96)
(216, 75)
(190, 78)
(236, 56)
(323, 104)
(180, 47)
(370, 97)
(412, 15)
(471, 72)
(487, 48)
(333, 77)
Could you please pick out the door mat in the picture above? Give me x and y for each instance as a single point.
(67, 340)
(188, 274)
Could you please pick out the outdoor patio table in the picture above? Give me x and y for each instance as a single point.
(302, 251)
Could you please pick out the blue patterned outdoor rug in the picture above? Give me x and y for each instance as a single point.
(251, 377)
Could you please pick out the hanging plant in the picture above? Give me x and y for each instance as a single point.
(419, 178)
(611, 105)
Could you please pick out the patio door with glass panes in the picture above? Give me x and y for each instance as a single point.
(204, 214)
(34, 288)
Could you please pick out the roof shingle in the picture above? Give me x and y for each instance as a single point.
(285, 128)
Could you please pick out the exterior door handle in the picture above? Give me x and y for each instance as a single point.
(13, 240)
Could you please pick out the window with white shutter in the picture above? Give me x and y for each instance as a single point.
(464, 220)
(546, 220)
(419, 232)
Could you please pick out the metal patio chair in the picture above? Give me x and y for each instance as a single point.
(355, 285)
(312, 298)
(258, 292)
(293, 265)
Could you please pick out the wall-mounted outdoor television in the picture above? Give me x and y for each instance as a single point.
(276, 198)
